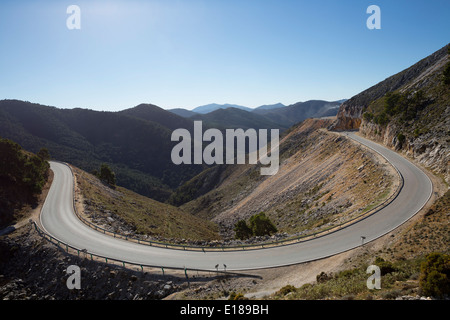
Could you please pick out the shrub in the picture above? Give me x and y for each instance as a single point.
(385, 266)
(447, 74)
(323, 277)
(401, 138)
(44, 154)
(381, 119)
(237, 296)
(434, 277)
(286, 289)
(261, 225)
(107, 175)
(368, 116)
(392, 103)
(391, 294)
(22, 177)
(242, 230)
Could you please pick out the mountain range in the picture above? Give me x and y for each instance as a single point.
(408, 111)
(135, 142)
(266, 116)
(214, 106)
(137, 148)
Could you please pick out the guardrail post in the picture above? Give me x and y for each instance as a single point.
(187, 278)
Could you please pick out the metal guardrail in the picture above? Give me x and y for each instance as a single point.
(263, 245)
(126, 264)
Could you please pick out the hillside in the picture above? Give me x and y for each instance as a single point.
(409, 111)
(269, 107)
(275, 116)
(125, 212)
(323, 179)
(156, 114)
(290, 115)
(214, 106)
(401, 256)
(182, 112)
(266, 116)
(233, 118)
(136, 147)
(22, 178)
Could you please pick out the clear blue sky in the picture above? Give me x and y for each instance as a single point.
(188, 53)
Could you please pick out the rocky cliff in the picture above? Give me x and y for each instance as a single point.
(350, 113)
(409, 112)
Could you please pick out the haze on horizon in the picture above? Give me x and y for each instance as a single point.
(184, 54)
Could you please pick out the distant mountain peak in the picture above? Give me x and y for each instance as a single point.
(214, 106)
(270, 106)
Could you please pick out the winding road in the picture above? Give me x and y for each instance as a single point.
(59, 220)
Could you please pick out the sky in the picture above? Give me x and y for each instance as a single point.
(188, 53)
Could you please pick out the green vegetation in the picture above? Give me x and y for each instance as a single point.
(435, 275)
(237, 296)
(381, 119)
(352, 283)
(22, 177)
(385, 266)
(401, 138)
(197, 186)
(44, 154)
(260, 225)
(286, 290)
(403, 106)
(415, 263)
(368, 116)
(136, 148)
(446, 74)
(242, 230)
(107, 175)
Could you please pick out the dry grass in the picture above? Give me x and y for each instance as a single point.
(404, 253)
(129, 212)
(324, 180)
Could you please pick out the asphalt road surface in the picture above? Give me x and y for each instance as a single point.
(60, 221)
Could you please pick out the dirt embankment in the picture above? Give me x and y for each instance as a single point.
(324, 179)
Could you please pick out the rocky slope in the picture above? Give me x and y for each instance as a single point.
(409, 111)
(324, 179)
(42, 275)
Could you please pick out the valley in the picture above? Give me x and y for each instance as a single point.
(324, 179)
(381, 162)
